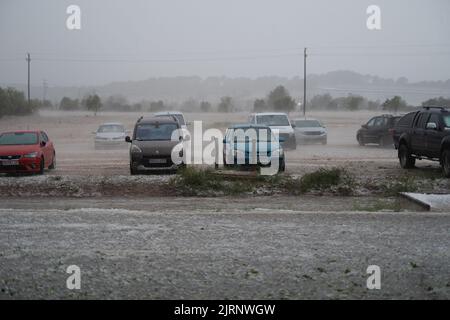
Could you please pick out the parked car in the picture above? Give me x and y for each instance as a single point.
(276, 121)
(110, 135)
(237, 148)
(177, 114)
(309, 130)
(424, 134)
(377, 130)
(152, 144)
(26, 152)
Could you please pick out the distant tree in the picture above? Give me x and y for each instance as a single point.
(279, 99)
(92, 103)
(354, 103)
(259, 105)
(437, 102)
(321, 101)
(68, 104)
(189, 105)
(13, 102)
(156, 106)
(225, 104)
(205, 106)
(116, 103)
(394, 105)
(373, 105)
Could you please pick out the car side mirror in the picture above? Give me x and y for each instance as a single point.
(364, 126)
(293, 125)
(281, 139)
(43, 144)
(94, 132)
(431, 126)
(128, 139)
(224, 140)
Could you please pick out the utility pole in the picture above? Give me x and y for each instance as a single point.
(304, 83)
(44, 90)
(28, 60)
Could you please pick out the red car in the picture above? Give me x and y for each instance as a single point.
(26, 152)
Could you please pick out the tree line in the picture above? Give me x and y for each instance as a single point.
(14, 102)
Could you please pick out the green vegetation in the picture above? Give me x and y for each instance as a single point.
(14, 103)
(333, 179)
(278, 99)
(192, 182)
(402, 184)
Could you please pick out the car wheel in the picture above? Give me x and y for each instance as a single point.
(133, 171)
(41, 166)
(404, 155)
(446, 163)
(360, 140)
(324, 141)
(53, 165)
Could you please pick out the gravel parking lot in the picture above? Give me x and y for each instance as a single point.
(217, 250)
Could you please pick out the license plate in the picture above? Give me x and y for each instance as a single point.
(157, 161)
(9, 162)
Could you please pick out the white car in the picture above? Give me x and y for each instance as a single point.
(276, 121)
(110, 135)
(309, 130)
(177, 114)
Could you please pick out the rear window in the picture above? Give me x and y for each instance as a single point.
(273, 120)
(307, 124)
(110, 128)
(406, 120)
(179, 118)
(154, 132)
(18, 138)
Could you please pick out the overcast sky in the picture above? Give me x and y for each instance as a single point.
(137, 39)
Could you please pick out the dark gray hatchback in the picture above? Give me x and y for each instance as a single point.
(152, 144)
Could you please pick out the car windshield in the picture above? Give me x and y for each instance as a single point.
(157, 131)
(308, 124)
(273, 120)
(447, 120)
(179, 117)
(110, 128)
(18, 138)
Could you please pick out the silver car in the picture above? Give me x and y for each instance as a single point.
(110, 135)
(309, 130)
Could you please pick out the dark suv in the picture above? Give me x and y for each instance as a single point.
(424, 134)
(377, 130)
(152, 144)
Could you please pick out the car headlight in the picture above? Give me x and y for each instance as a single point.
(135, 149)
(31, 155)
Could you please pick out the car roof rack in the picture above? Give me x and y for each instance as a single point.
(433, 107)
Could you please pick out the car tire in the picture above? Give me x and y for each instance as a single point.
(133, 171)
(53, 165)
(282, 166)
(41, 166)
(407, 161)
(324, 142)
(360, 140)
(445, 161)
